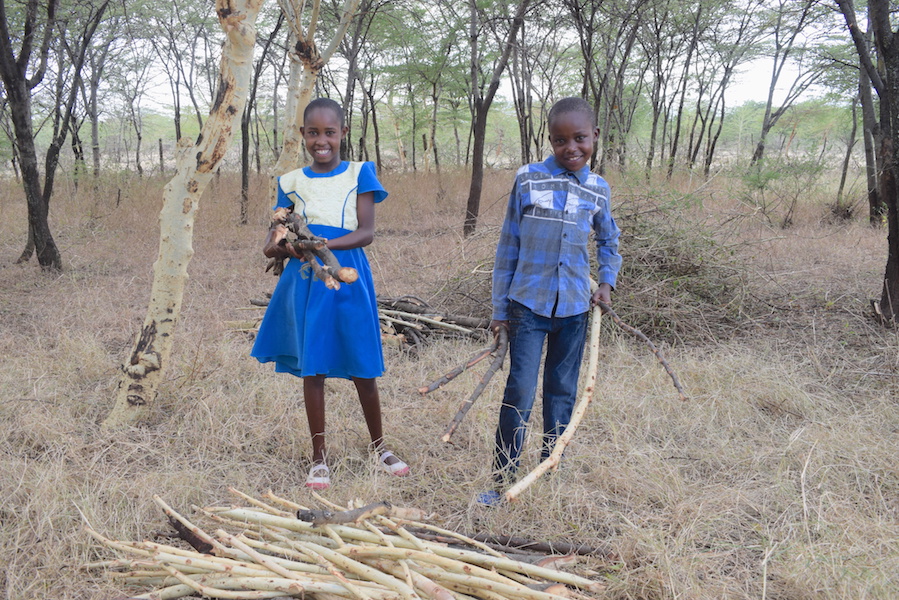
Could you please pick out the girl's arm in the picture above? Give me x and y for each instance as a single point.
(365, 230)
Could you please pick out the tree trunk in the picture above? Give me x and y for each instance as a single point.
(871, 134)
(481, 105)
(844, 169)
(18, 88)
(196, 164)
(306, 62)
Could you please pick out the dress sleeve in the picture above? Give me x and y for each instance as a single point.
(368, 182)
(283, 200)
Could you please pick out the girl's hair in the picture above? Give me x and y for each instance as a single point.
(324, 103)
(571, 105)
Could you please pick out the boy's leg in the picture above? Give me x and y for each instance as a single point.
(527, 332)
(314, 399)
(564, 352)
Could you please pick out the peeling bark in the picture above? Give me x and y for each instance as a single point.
(196, 163)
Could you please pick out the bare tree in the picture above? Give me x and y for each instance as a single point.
(886, 83)
(483, 91)
(196, 164)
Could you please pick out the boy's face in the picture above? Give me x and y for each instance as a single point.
(571, 136)
(322, 133)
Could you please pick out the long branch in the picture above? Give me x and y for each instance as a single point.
(579, 411)
(501, 346)
(639, 334)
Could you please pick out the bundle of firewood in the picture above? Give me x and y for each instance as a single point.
(275, 548)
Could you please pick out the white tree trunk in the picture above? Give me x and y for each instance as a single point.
(305, 64)
(196, 163)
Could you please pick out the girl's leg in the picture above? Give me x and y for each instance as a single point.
(314, 397)
(370, 400)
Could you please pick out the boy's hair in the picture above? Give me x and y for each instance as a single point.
(571, 104)
(324, 103)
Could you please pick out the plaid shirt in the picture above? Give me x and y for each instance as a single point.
(542, 259)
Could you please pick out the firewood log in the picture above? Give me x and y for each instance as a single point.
(310, 246)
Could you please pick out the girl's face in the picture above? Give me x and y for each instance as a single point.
(572, 136)
(322, 132)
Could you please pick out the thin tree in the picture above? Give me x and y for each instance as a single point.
(248, 111)
(36, 30)
(483, 92)
(791, 25)
(196, 163)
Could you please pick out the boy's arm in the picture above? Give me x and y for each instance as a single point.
(607, 234)
(506, 256)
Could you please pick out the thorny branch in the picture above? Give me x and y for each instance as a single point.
(639, 334)
(502, 343)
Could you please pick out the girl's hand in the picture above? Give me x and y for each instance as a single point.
(276, 245)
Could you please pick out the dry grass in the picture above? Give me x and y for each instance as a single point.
(777, 479)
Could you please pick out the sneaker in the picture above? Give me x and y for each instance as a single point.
(398, 468)
(319, 477)
(489, 498)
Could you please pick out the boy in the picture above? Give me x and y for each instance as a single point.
(541, 280)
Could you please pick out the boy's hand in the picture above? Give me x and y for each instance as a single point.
(602, 294)
(495, 325)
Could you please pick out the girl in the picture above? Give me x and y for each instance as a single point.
(308, 330)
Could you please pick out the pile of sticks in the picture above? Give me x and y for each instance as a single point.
(407, 321)
(275, 548)
(411, 321)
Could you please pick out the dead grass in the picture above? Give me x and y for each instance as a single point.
(777, 479)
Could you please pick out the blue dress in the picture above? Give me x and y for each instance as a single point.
(307, 328)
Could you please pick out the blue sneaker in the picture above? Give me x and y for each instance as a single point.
(489, 498)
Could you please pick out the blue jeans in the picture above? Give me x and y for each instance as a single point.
(565, 338)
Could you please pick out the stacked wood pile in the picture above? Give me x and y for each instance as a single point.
(407, 321)
(275, 548)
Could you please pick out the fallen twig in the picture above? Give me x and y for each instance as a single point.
(639, 334)
(502, 345)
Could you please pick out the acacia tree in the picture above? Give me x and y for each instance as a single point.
(483, 90)
(538, 64)
(731, 44)
(791, 23)
(306, 63)
(196, 163)
(21, 72)
(886, 83)
(607, 35)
